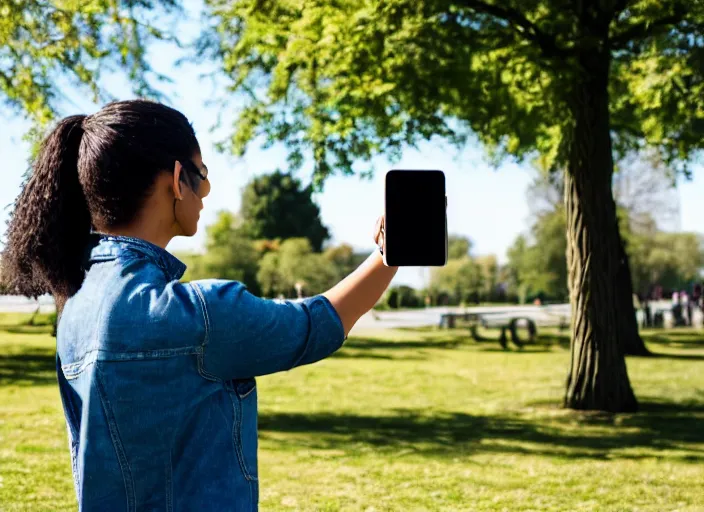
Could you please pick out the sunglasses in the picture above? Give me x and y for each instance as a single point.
(202, 172)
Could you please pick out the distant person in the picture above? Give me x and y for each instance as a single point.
(157, 376)
(637, 306)
(658, 293)
(676, 308)
(685, 308)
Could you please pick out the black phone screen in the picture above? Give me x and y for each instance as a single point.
(415, 219)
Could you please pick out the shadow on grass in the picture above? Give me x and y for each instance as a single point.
(686, 332)
(683, 340)
(375, 344)
(659, 427)
(370, 348)
(26, 329)
(33, 366)
(684, 357)
(562, 340)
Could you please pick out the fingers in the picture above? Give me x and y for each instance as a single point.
(379, 231)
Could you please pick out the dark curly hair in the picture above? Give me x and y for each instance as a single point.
(91, 171)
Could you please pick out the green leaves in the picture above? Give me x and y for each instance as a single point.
(341, 82)
(660, 100)
(277, 206)
(344, 81)
(539, 267)
(670, 260)
(295, 264)
(47, 44)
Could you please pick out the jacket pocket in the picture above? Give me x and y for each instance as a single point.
(244, 400)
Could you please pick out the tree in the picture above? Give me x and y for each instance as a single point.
(643, 188)
(295, 262)
(515, 269)
(489, 271)
(344, 260)
(458, 247)
(44, 45)
(460, 279)
(576, 81)
(539, 268)
(229, 254)
(402, 297)
(277, 206)
(670, 260)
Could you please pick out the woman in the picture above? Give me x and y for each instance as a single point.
(156, 376)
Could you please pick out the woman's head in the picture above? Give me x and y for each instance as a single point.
(132, 162)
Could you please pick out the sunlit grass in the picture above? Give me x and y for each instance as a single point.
(416, 420)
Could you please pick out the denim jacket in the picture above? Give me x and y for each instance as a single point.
(157, 379)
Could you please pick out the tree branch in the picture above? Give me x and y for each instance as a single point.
(523, 25)
(646, 29)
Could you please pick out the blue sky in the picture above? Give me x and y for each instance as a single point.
(487, 205)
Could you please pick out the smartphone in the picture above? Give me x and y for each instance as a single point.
(415, 226)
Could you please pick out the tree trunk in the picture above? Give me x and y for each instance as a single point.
(597, 379)
(629, 337)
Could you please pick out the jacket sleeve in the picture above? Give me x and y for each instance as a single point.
(247, 336)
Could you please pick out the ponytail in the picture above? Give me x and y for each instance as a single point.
(49, 229)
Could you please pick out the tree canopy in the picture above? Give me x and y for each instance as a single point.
(343, 81)
(46, 46)
(458, 246)
(277, 206)
(538, 265)
(294, 264)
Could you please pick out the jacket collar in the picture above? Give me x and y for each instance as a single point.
(109, 247)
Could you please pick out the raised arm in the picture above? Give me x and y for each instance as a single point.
(359, 292)
(247, 336)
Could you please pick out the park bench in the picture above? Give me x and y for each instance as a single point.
(510, 326)
(509, 323)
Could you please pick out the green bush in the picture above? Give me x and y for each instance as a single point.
(403, 297)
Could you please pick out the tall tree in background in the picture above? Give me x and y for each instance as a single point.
(229, 254)
(45, 45)
(277, 206)
(458, 247)
(296, 263)
(344, 259)
(671, 260)
(460, 280)
(538, 267)
(574, 80)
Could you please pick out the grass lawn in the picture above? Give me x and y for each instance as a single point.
(414, 420)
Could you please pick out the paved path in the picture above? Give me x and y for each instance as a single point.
(546, 315)
(431, 316)
(372, 320)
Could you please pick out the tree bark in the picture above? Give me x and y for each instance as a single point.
(597, 378)
(631, 342)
